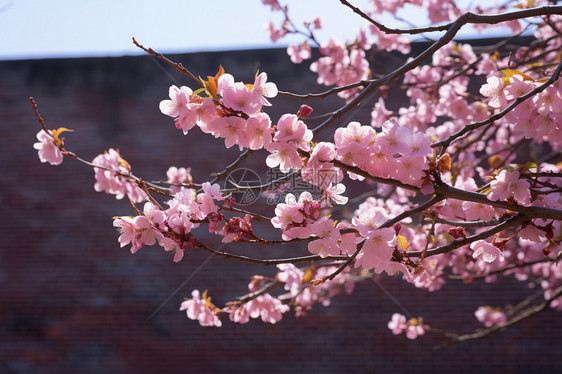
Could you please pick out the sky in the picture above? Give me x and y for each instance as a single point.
(67, 28)
(86, 28)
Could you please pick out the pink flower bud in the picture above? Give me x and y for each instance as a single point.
(304, 111)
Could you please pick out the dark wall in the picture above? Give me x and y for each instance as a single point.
(74, 302)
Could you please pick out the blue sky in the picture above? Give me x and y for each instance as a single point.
(77, 28)
(60, 28)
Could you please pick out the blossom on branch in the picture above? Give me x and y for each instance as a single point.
(48, 151)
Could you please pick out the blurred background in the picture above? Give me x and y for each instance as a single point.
(73, 301)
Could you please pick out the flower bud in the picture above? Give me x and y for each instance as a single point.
(304, 111)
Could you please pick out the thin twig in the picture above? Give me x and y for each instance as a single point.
(271, 262)
(521, 316)
(177, 65)
(514, 221)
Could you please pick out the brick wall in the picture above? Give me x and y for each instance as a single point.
(74, 302)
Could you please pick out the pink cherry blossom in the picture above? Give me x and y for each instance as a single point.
(177, 105)
(490, 316)
(200, 114)
(459, 108)
(518, 87)
(196, 309)
(48, 151)
(264, 89)
(477, 211)
(110, 177)
(274, 4)
(284, 155)
(368, 220)
(333, 194)
(299, 53)
(256, 134)
(285, 214)
(266, 307)
(126, 228)
(155, 216)
(398, 324)
(488, 252)
(178, 176)
(410, 169)
(173, 246)
(274, 33)
(394, 139)
(493, 89)
(229, 128)
(377, 250)
(315, 23)
(328, 237)
(550, 100)
(290, 128)
(500, 186)
(237, 96)
(207, 199)
(380, 114)
(520, 188)
(413, 328)
(508, 183)
(145, 233)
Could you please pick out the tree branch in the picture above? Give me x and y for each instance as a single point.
(177, 65)
(521, 316)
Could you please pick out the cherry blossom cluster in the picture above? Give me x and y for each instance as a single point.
(538, 118)
(232, 110)
(112, 177)
(341, 66)
(267, 307)
(413, 327)
(396, 152)
(439, 93)
(451, 199)
(489, 316)
(299, 293)
(171, 227)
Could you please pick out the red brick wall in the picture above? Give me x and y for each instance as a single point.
(74, 302)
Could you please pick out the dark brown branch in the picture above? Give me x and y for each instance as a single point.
(177, 65)
(262, 187)
(420, 208)
(255, 216)
(514, 221)
(466, 18)
(223, 174)
(39, 118)
(271, 262)
(511, 266)
(358, 171)
(252, 295)
(529, 212)
(342, 266)
(465, 223)
(521, 316)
